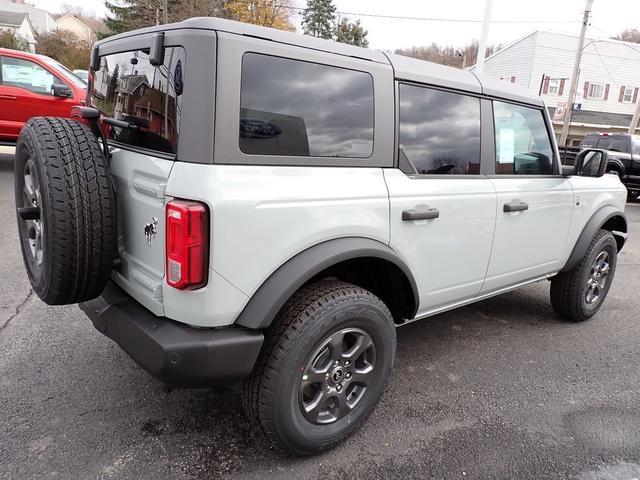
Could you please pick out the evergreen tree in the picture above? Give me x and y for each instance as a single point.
(126, 15)
(113, 83)
(319, 18)
(116, 21)
(351, 33)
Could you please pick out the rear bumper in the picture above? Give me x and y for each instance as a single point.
(174, 353)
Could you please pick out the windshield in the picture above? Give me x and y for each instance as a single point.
(68, 74)
(82, 75)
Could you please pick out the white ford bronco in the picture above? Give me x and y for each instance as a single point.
(240, 203)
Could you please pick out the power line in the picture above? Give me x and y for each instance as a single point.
(424, 19)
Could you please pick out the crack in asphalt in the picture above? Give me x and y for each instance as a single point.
(18, 310)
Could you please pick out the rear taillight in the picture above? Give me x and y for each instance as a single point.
(187, 244)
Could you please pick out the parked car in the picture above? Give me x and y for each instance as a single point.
(271, 206)
(33, 85)
(82, 74)
(624, 156)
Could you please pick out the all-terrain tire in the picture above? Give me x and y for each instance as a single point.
(61, 175)
(569, 290)
(271, 395)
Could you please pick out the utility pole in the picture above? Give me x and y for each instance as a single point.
(482, 45)
(635, 119)
(566, 124)
(166, 13)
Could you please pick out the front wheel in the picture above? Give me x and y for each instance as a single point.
(323, 367)
(578, 294)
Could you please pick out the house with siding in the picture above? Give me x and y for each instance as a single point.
(608, 81)
(73, 24)
(41, 20)
(20, 25)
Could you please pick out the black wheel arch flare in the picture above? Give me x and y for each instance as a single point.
(607, 217)
(270, 297)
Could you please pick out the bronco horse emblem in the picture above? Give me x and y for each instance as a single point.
(151, 230)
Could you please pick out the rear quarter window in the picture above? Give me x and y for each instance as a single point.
(296, 108)
(128, 88)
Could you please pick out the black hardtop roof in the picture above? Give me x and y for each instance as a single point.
(405, 68)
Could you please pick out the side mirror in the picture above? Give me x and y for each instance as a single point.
(61, 91)
(591, 162)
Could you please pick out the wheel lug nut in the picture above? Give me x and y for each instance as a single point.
(347, 376)
(347, 363)
(338, 387)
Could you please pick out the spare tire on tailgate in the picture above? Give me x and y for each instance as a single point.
(66, 210)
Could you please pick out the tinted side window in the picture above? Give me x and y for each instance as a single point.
(295, 108)
(636, 147)
(17, 72)
(439, 131)
(615, 144)
(127, 87)
(522, 141)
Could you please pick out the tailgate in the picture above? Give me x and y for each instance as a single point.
(140, 183)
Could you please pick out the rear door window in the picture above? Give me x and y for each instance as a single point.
(439, 131)
(128, 88)
(296, 108)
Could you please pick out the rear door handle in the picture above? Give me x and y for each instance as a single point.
(515, 206)
(7, 97)
(420, 214)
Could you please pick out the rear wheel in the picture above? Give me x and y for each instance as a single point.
(323, 367)
(65, 210)
(578, 294)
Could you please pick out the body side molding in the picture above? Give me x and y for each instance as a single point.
(595, 223)
(270, 297)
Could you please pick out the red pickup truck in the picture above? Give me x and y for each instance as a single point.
(34, 85)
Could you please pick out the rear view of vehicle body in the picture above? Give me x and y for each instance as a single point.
(623, 156)
(34, 85)
(271, 206)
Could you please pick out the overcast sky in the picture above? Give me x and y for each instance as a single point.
(609, 17)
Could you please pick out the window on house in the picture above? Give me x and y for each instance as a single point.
(627, 96)
(596, 91)
(554, 86)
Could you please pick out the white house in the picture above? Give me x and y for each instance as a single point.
(19, 24)
(74, 24)
(607, 85)
(41, 20)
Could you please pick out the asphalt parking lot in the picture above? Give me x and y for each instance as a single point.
(500, 389)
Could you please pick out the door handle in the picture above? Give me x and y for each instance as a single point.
(420, 214)
(515, 206)
(7, 97)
